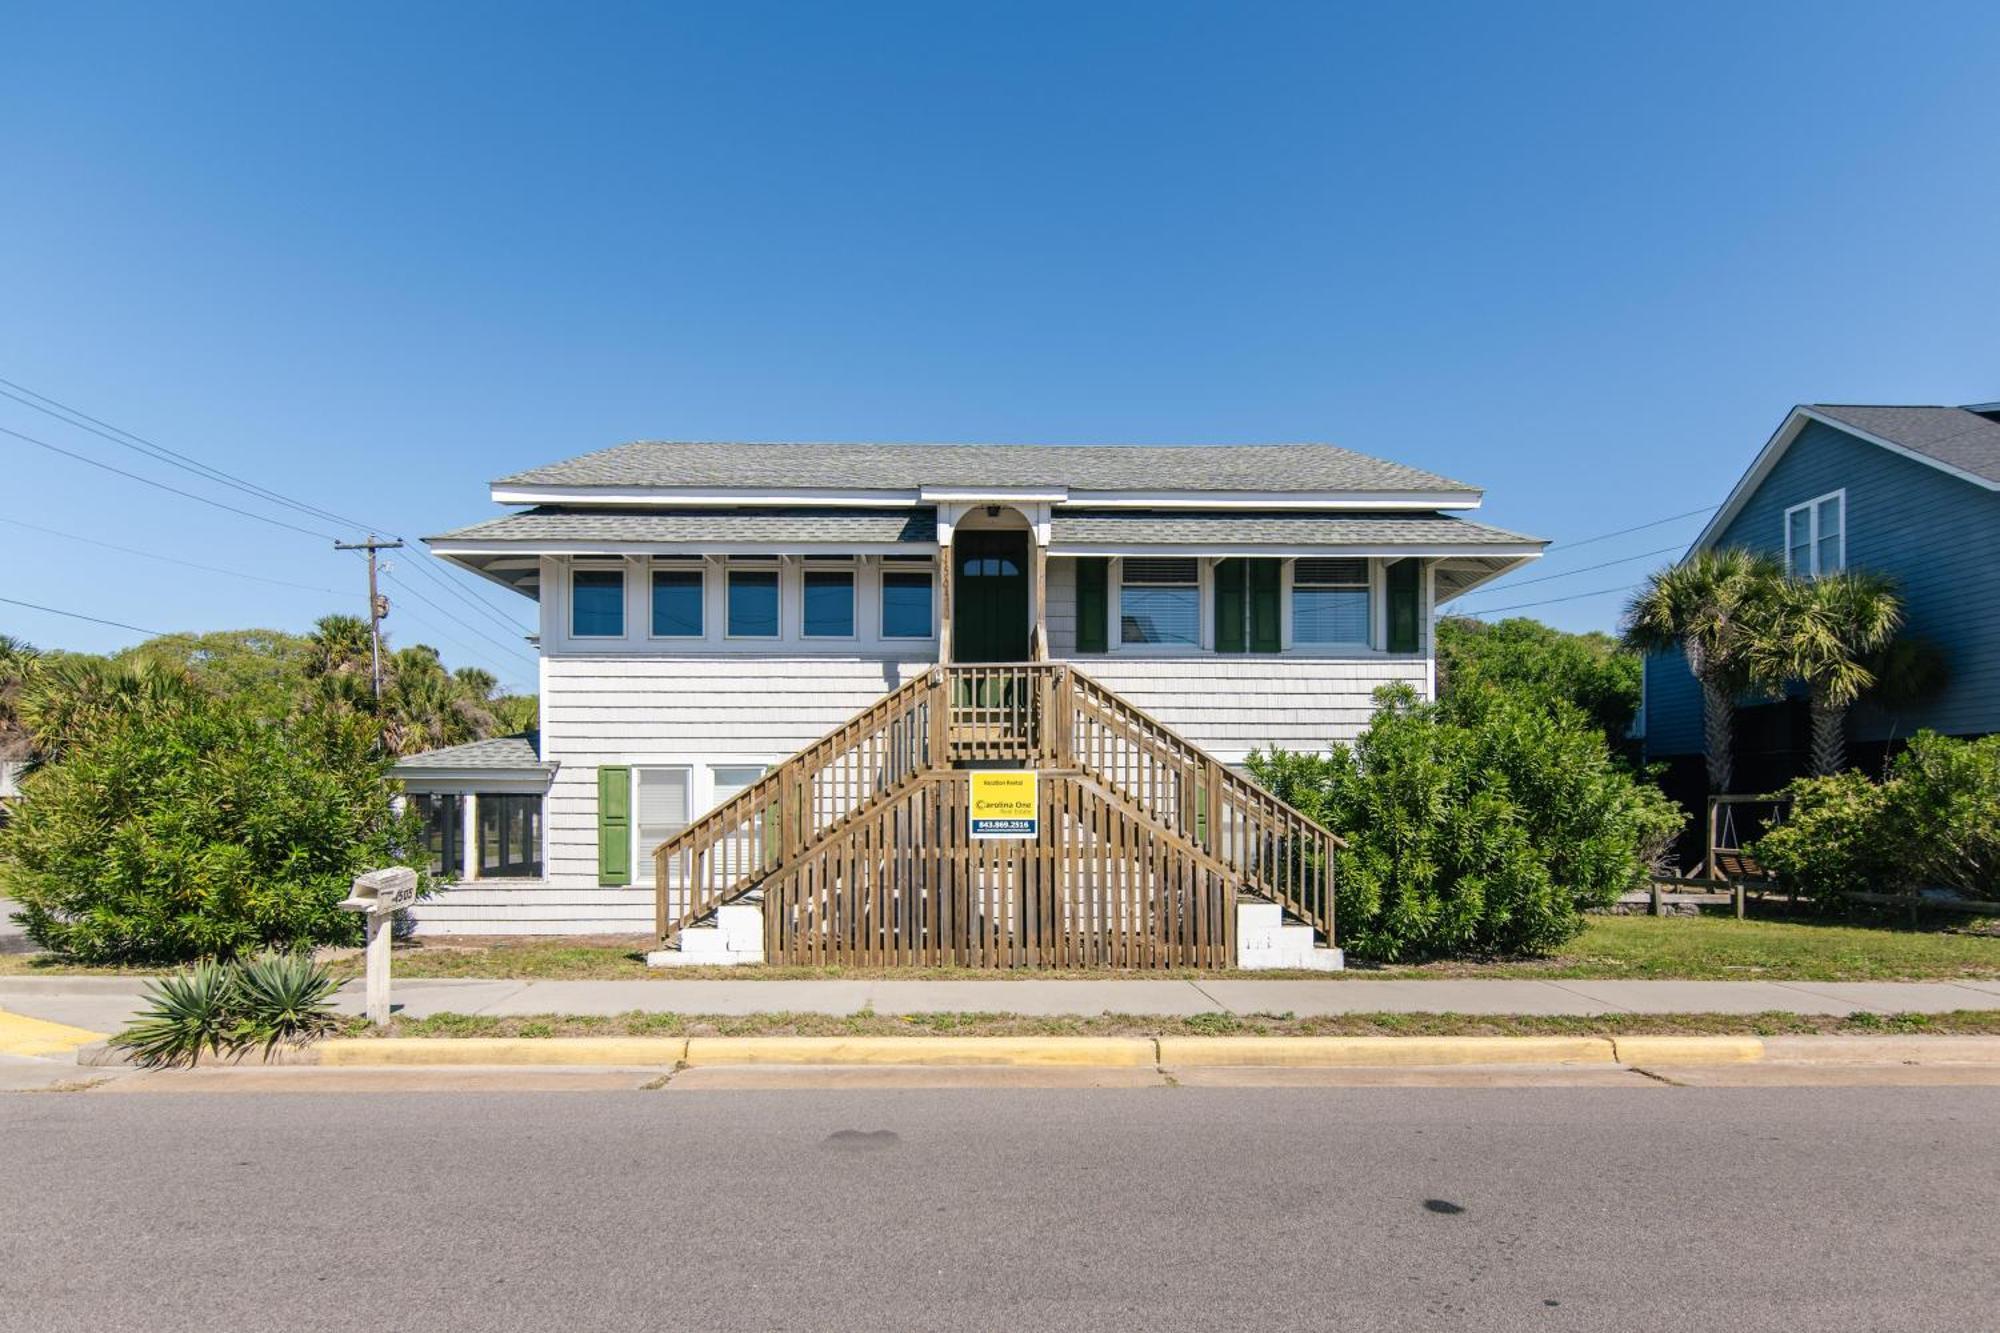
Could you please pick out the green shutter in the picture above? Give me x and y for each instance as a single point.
(1229, 596)
(614, 826)
(1404, 611)
(1093, 604)
(1266, 606)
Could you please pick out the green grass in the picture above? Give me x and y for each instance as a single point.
(1965, 1022)
(1689, 948)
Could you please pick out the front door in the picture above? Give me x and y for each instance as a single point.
(989, 597)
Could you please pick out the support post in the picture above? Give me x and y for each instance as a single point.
(1041, 601)
(944, 602)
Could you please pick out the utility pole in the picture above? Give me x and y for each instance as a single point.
(378, 605)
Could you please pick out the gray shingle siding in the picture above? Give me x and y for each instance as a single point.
(1934, 533)
(902, 467)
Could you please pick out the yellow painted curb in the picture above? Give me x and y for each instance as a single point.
(1381, 1052)
(22, 1035)
(1119, 1052)
(354, 1052)
(1689, 1050)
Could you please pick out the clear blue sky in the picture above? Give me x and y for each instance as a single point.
(375, 254)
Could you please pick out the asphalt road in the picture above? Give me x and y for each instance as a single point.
(1164, 1208)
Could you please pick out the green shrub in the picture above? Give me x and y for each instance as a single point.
(190, 829)
(1485, 824)
(227, 1008)
(1830, 842)
(282, 998)
(1933, 823)
(187, 1013)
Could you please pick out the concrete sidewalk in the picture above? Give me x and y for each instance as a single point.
(104, 1004)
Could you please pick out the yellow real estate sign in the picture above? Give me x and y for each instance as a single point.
(1005, 804)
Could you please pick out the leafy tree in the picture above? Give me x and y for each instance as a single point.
(1934, 822)
(1821, 632)
(17, 659)
(1486, 823)
(1706, 606)
(259, 669)
(172, 825)
(1525, 657)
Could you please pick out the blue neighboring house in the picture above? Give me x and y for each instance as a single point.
(1911, 492)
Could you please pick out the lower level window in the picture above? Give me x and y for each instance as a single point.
(661, 808)
(510, 837)
(444, 832)
(1159, 601)
(1330, 602)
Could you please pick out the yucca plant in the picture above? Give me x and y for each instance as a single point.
(282, 997)
(188, 1011)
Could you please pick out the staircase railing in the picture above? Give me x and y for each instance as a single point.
(1280, 853)
(1048, 715)
(731, 849)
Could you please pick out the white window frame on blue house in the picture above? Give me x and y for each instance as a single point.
(1812, 510)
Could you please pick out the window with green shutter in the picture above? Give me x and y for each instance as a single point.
(1093, 604)
(614, 827)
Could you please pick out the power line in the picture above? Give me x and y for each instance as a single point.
(78, 615)
(1550, 601)
(161, 485)
(78, 418)
(1637, 527)
(406, 587)
(139, 444)
(498, 617)
(172, 560)
(1586, 569)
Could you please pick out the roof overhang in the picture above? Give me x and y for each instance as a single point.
(813, 497)
(1520, 552)
(1774, 451)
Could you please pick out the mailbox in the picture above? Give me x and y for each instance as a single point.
(379, 895)
(382, 892)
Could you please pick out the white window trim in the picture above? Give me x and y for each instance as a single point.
(776, 567)
(624, 574)
(1115, 631)
(641, 876)
(1812, 508)
(680, 565)
(1369, 576)
(883, 568)
(851, 568)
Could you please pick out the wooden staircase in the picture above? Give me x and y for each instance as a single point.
(861, 842)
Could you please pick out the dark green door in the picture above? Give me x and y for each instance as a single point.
(989, 597)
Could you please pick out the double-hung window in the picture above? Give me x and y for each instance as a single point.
(1159, 602)
(753, 602)
(1816, 536)
(597, 602)
(1330, 602)
(906, 599)
(677, 609)
(828, 598)
(661, 808)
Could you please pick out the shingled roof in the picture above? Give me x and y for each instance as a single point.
(1272, 528)
(701, 526)
(1304, 468)
(1955, 436)
(498, 753)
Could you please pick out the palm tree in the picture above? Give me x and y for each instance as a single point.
(1706, 606)
(17, 658)
(1822, 632)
